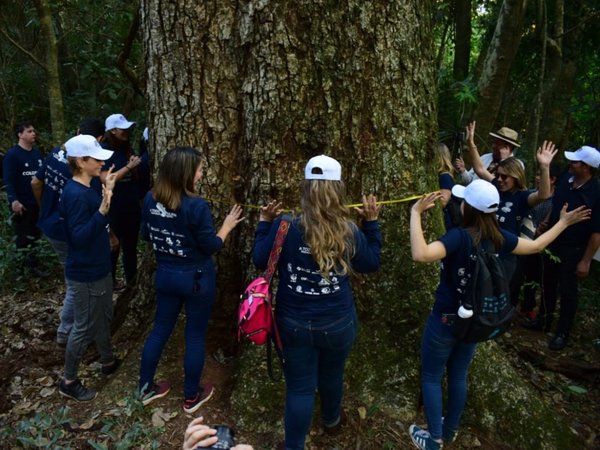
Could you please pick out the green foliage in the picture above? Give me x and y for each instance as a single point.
(127, 428)
(43, 430)
(90, 37)
(13, 273)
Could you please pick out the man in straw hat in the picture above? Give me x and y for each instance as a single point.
(504, 143)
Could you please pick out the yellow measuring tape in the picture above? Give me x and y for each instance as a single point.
(353, 205)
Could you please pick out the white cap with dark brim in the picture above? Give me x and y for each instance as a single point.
(480, 194)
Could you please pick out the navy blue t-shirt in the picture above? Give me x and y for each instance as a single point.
(512, 209)
(18, 167)
(183, 237)
(455, 267)
(303, 292)
(88, 257)
(588, 194)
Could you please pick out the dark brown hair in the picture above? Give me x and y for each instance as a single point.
(482, 225)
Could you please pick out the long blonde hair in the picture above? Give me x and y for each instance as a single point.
(325, 221)
(443, 159)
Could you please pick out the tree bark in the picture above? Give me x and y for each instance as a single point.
(462, 38)
(51, 65)
(496, 66)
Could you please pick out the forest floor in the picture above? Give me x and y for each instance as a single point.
(33, 415)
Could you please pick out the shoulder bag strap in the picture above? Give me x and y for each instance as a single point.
(282, 231)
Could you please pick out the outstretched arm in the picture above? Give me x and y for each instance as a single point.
(527, 247)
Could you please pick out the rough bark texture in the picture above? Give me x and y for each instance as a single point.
(498, 61)
(52, 70)
(261, 87)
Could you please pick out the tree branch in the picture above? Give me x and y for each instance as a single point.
(124, 56)
(22, 49)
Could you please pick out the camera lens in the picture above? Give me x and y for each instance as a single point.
(225, 436)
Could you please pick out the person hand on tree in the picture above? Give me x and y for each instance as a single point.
(370, 209)
(426, 202)
(270, 211)
(231, 221)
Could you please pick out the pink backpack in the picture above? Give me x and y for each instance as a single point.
(256, 320)
(256, 312)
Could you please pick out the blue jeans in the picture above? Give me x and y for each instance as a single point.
(66, 314)
(93, 312)
(177, 287)
(315, 352)
(441, 351)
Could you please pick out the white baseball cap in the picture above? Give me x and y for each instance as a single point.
(585, 154)
(117, 121)
(86, 145)
(323, 168)
(480, 194)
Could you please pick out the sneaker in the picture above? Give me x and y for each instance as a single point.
(76, 390)
(558, 342)
(191, 405)
(422, 439)
(335, 429)
(448, 436)
(109, 369)
(159, 390)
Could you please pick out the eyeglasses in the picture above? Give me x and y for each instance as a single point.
(503, 176)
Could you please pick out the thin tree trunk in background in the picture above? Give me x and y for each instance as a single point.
(55, 98)
(462, 39)
(496, 66)
(542, 24)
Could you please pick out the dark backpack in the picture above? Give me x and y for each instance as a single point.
(487, 294)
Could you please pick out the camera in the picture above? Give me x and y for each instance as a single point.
(225, 436)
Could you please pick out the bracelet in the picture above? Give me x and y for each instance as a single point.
(127, 167)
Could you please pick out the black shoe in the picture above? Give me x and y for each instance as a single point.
(109, 369)
(76, 391)
(558, 342)
(536, 325)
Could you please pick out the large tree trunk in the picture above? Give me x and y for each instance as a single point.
(262, 86)
(496, 66)
(52, 70)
